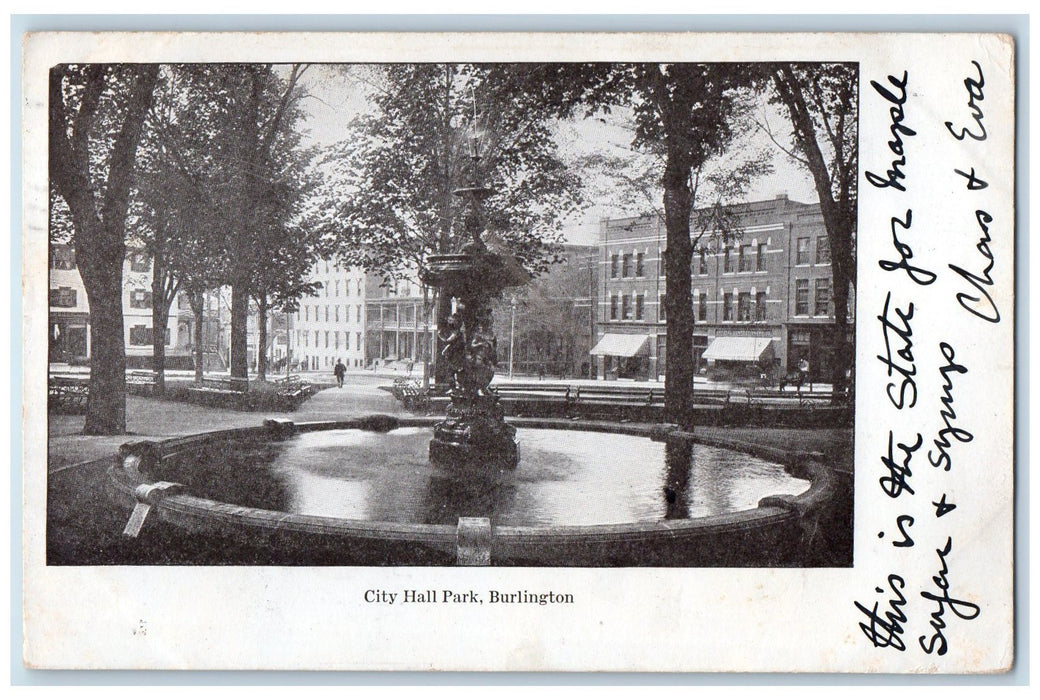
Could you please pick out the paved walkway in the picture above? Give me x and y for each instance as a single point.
(154, 419)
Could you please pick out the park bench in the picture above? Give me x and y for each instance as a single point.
(623, 403)
(293, 386)
(67, 394)
(535, 398)
(411, 394)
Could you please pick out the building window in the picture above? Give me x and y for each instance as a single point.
(727, 260)
(760, 255)
(803, 252)
(346, 341)
(662, 309)
(64, 297)
(335, 338)
(801, 297)
(613, 307)
(337, 315)
(760, 306)
(357, 316)
(744, 258)
(822, 301)
(326, 339)
(614, 265)
(358, 346)
(702, 306)
(639, 265)
(626, 264)
(306, 313)
(744, 306)
(639, 307)
(727, 306)
(823, 251)
(626, 307)
(702, 264)
(63, 257)
(139, 262)
(140, 299)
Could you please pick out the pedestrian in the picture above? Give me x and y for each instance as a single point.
(340, 371)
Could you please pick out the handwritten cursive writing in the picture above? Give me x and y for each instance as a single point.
(965, 610)
(898, 473)
(906, 395)
(975, 95)
(983, 305)
(898, 130)
(919, 275)
(941, 458)
(883, 629)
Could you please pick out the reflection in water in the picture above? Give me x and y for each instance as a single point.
(564, 478)
(677, 480)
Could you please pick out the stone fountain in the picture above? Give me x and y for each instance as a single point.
(474, 432)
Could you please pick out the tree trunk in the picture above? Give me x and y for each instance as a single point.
(160, 318)
(99, 222)
(261, 342)
(678, 382)
(106, 400)
(239, 336)
(197, 309)
(838, 218)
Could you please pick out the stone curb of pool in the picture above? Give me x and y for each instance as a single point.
(473, 539)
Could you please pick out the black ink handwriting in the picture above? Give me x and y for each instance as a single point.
(919, 275)
(963, 609)
(898, 130)
(974, 88)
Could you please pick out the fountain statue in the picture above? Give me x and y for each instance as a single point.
(474, 432)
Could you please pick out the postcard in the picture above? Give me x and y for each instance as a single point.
(519, 352)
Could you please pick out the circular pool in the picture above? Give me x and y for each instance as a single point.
(583, 494)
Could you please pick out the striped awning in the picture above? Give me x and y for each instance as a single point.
(621, 345)
(739, 349)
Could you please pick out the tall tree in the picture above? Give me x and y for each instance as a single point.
(391, 182)
(687, 111)
(179, 213)
(96, 115)
(264, 117)
(820, 100)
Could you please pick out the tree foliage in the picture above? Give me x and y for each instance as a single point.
(390, 183)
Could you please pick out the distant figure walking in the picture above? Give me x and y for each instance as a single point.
(340, 370)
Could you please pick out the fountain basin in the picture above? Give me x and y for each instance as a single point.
(770, 531)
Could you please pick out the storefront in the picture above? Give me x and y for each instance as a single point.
(622, 355)
(741, 359)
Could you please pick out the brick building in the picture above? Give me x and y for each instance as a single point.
(762, 302)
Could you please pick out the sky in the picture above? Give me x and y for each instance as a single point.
(337, 94)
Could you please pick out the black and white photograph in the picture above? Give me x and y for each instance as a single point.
(425, 326)
(555, 314)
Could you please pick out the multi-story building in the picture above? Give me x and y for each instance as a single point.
(761, 295)
(400, 322)
(330, 325)
(69, 313)
(546, 328)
